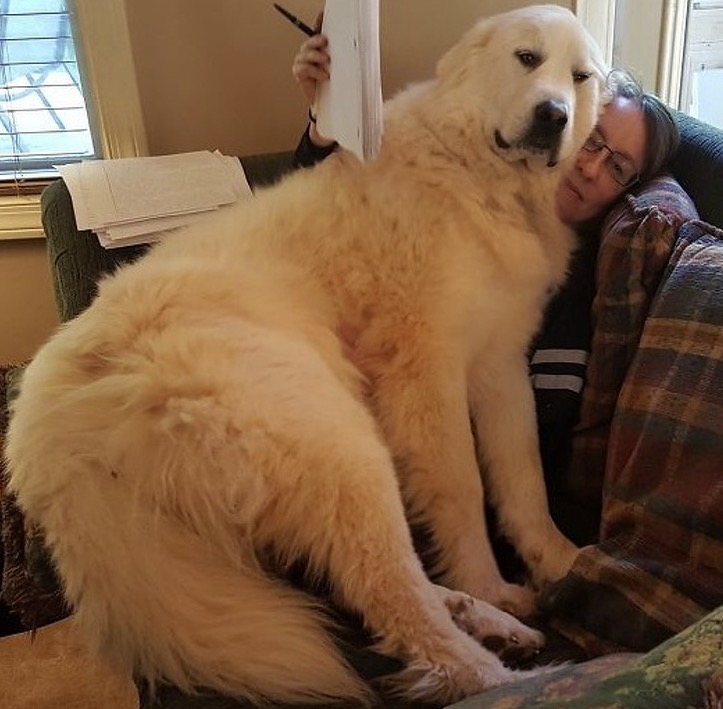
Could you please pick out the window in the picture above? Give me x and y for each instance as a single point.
(674, 46)
(105, 65)
(702, 70)
(43, 117)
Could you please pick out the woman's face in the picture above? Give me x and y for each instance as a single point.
(590, 187)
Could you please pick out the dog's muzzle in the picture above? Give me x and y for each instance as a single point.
(544, 135)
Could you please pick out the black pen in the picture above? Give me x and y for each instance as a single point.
(295, 20)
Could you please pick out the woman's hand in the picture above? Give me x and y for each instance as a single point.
(311, 66)
(311, 63)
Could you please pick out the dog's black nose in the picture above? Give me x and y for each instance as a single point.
(550, 117)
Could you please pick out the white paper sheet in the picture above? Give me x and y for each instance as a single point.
(130, 200)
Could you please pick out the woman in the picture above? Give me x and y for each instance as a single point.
(633, 141)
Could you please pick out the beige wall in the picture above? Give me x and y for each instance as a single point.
(217, 75)
(27, 308)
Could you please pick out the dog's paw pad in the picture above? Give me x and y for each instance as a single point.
(509, 649)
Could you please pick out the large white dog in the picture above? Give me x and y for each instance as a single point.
(286, 382)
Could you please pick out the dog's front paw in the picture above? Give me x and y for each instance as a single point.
(494, 628)
(520, 601)
(553, 562)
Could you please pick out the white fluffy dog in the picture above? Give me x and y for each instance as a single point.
(293, 381)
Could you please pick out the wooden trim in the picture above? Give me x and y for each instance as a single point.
(20, 218)
(672, 51)
(24, 188)
(109, 78)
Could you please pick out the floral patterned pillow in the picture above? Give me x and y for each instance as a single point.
(681, 673)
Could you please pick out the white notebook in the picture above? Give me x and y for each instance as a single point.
(349, 106)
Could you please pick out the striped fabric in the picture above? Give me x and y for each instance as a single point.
(573, 360)
(659, 564)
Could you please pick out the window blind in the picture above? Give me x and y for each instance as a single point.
(43, 116)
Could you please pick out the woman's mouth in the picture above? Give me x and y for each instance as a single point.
(570, 185)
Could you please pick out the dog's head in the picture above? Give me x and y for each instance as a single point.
(533, 82)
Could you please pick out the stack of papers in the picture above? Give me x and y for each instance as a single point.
(139, 200)
(349, 106)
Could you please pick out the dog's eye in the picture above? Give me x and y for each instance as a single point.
(580, 76)
(528, 59)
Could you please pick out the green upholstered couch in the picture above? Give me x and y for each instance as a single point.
(681, 672)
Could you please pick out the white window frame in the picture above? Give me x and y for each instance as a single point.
(109, 81)
(598, 16)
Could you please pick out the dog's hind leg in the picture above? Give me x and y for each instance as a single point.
(140, 482)
(169, 476)
(336, 503)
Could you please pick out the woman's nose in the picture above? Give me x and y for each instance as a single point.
(590, 164)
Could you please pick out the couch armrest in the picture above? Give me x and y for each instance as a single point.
(78, 261)
(698, 166)
(266, 168)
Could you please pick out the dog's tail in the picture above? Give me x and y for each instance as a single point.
(155, 600)
(196, 621)
(151, 593)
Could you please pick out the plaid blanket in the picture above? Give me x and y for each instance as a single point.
(659, 564)
(635, 245)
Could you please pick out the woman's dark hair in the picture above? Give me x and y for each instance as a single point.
(661, 131)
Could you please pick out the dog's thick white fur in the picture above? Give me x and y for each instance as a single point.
(290, 379)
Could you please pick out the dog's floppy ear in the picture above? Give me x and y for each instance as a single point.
(455, 63)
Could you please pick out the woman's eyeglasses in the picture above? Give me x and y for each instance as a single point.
(620, 167)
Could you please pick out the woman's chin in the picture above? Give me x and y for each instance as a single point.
(570, 208)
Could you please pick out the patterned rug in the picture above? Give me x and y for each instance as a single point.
(29, 589)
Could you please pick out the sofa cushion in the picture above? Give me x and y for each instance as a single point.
(698, 165)
(658, 566)
(635, 244)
